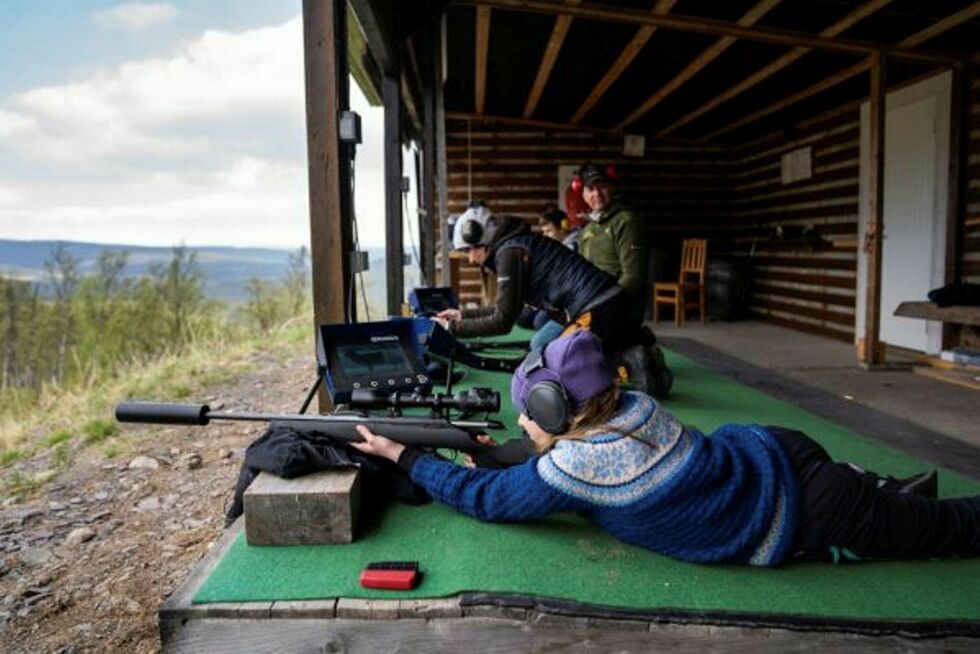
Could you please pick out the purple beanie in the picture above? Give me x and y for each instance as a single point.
(575, 361)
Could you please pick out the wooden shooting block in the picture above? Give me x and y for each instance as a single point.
(311, 510)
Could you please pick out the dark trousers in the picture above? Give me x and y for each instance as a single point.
(615, 322)
(841, 508)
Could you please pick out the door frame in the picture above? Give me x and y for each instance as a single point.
(940, 87)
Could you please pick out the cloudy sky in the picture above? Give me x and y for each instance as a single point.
(156, 123)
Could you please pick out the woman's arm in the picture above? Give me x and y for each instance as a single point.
(501, 495)
(513, 271)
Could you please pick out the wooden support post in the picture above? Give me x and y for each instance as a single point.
(872, 354)
(395, 271)
(327, 93)
(427, 237)
(959, 134)
(442, 168)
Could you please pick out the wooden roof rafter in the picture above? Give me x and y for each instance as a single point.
(759, 10)
(853, 17)
(551, 50)
(714, 27)
(946, 24)
(623, 61)
(768, 71)
(482, 44)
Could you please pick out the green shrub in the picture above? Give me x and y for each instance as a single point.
(9, 456)
(97, 430)
(181, 391)
(57, 438)
(17, 482)
(61, 456)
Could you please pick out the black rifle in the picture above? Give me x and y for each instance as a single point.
(435, 431)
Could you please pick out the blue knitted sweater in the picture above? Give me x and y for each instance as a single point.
(730, 497)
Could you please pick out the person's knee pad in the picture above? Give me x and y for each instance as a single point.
(646, 369)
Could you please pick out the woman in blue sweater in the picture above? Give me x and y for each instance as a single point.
(745, 494)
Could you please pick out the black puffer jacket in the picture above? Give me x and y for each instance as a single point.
(535, 270)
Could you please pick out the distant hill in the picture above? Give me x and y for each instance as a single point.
(227, 269)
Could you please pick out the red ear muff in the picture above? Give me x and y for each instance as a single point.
(577, 184)
(611, 172)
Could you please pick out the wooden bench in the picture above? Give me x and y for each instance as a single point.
(962, 315)
(936, 368)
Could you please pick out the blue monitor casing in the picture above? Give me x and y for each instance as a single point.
(384, 355)
(430, 300)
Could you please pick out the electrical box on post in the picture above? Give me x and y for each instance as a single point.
(350, 127)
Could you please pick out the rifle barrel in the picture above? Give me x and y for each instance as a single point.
(426, 432)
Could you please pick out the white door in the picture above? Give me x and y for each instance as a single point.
(913, 249)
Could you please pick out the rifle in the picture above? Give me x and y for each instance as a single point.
(436, 431)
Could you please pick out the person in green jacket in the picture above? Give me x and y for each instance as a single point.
(615, 239)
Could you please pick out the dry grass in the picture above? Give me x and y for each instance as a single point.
(82, 416)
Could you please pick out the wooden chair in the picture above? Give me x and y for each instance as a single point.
(694, 254)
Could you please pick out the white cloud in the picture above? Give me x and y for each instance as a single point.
(10, 196)
(12, 123)
(206, 146)
(135, 16)
(252, 202)
(150, 108)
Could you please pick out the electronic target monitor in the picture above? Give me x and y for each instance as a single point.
(385, 355)
(430, 300)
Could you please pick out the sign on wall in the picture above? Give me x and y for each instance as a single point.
(797, 165)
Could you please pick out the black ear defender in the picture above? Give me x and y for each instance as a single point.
(547, 401)
(547, 405)
(471, 232)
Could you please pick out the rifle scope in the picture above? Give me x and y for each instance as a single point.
(474, 400)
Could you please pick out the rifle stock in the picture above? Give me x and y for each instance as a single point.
(420, 432)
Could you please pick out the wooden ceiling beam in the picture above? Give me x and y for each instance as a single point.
(698, 64)
(550, 125)
(625, 58)
(482, 43)
(411, 103)
(953, 20)
(921, 36)
(525, 122)
(378, 32)
(810, 91)
(859, 13)
(558, 32)
(700, 25)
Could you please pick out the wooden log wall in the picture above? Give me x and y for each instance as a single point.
(734, 197)
(971, 222)
(515, 170)
(803, 283)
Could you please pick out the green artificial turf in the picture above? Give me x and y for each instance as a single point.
(564, 557)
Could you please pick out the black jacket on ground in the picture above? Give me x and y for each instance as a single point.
(287, 453)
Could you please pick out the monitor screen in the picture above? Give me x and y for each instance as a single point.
(373, 359)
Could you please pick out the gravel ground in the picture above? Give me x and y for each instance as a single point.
(86, 560)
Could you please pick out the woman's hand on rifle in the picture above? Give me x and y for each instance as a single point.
(485, 440)
(377, 445)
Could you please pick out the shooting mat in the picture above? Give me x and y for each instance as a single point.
(565, 560)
